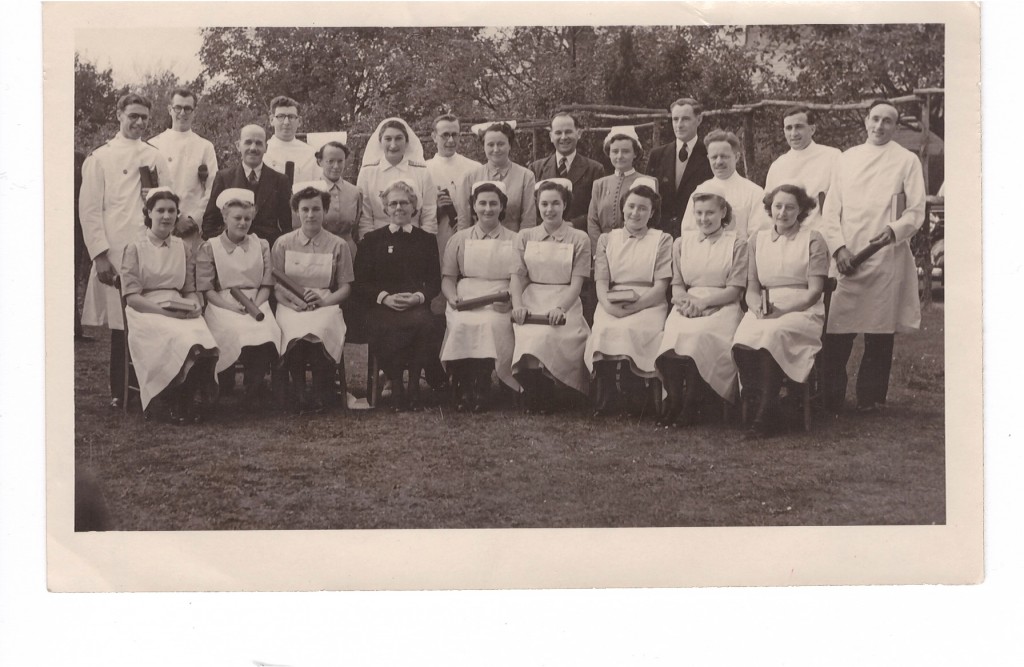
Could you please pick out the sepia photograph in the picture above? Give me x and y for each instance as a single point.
(340, 279)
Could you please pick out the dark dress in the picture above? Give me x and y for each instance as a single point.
(398, 262)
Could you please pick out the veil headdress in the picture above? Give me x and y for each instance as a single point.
(375, 152)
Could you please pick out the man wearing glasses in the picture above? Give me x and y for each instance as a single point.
(110, 209)
(191, 159)
(447, 168)
(283, 147)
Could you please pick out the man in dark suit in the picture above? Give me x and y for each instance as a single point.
(565, 162)
(681, 165)
(273, 213)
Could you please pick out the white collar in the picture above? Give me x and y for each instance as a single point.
(394, 229)
(689, 145)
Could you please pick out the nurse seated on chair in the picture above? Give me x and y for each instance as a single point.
(781, 332)
(632, 269)
(477, 263)
(237, 261)
(171, 347)
(312, 325)
(552, 261)
(709, 274)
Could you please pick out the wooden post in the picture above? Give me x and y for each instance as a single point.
(926, 261)
(655, 142)
(533, 148)
(748, 143)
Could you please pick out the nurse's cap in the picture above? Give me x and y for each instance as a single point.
(709, 187)
(480, 128)
(317, 140)
(649, 181)
(622, 130)
(242, 195)
(320, 186)
(157, 190)
(497, 184)
(564, 182)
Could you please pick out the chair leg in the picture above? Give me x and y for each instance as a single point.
(127, 369)
(342, 381)
(657, 396)
(807, 406)
(372, 379)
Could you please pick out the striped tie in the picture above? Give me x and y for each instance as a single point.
(560, 170)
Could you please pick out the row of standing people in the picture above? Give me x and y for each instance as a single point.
(677, 167)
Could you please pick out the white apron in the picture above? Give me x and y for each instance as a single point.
(794, 338)
(162, 347)
(323, 325)
(558, 349)
(482, 333)
(233, 330)
(634, 338)
(707, 340)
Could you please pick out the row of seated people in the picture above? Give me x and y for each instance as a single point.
(513, 302)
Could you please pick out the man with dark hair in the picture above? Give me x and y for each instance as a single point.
(273, 210)
(876, 197)
(807, 164)
(110, 207)
(680, 166)
(283, 147)
(191, 159)
(565, 162)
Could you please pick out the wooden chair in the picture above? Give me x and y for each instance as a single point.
(129, 367)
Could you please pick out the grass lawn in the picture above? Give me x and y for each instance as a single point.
(439, 469)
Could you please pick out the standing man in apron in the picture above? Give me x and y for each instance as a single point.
(110, 208)
(876, 195)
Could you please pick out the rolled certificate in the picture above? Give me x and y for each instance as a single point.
(540, 319)
(470, 304)
(247, 303)
(289, 171)
(203, 173)
(867, 252)
(289, 284)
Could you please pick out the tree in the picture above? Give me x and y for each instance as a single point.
(95, 102)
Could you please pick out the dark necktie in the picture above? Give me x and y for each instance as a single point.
(560, 170)
(253, 180)
(684, 153)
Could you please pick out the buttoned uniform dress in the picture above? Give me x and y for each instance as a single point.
(273, 209)
(784, 264)
(297, 151)
(630, 262)
(550, 261)
(185, 152)
(604, 213)
(583, 172)
(482, 263)
(221, 265)
(521, 211)
(391, 262)
(164, 349)
(376, 176)
(880, 297)
(701, 264)
(447, 173)
(342, 217)
(747, 201)
(675, 192)
(322, 263)
(110, 208)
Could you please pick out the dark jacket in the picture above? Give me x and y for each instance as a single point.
(273, 210)
(401, 262)
(662, 166)
(582, 172)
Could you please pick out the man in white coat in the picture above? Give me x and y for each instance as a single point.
(876, 196)
(191, 159)
(283, 147)
(446, 169)
(110, 208)
(807, 164)
(744, 196)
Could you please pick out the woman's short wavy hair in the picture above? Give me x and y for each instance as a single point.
(648, 193)
(562, 191)
(489, 187)
(404, 187)
(310, 193)
(637, 148)
(723, 204)
(803, 200)
(153, 198)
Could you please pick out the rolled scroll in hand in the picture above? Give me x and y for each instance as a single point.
(874, 245)
(540, 319)
(470, 304)
(148, 177)
(289, 284)
(247, 303)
